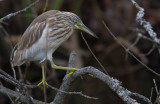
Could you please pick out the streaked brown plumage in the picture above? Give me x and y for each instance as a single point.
(34, 33)
(44, 35)
(31, 36)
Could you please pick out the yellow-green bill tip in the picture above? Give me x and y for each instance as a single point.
(87, 30)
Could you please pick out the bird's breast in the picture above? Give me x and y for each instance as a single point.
(57, 36)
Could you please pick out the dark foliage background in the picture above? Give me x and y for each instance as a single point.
(120, 17)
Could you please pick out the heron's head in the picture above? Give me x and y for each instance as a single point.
(77, 23)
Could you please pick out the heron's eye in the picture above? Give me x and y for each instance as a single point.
(77, 23)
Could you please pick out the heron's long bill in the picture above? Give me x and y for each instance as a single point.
(87, 30)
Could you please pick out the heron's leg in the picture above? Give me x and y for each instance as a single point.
(43, 82)
(64, 68)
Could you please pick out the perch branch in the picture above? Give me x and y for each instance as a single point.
(114, 84)
(65, 86)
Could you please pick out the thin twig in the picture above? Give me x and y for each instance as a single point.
(131, 46)
(73, 93)
(150, 51)
(155, 86)
(94, 55)
(148, 68)
(8, 80)
(70, 93)
(12, 80)
(7, 75)
(18, 12)
(44, 9)
(6, 33)
(142, 97)
(151, 94)
(135, 42)
(146, 38)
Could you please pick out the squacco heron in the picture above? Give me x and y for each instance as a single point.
(44, 35)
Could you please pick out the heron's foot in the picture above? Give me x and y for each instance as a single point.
(90, 75)
(73, 70)
(72, 73)
(42, 84)
(69, 74)
(87, 74)
(80, 76)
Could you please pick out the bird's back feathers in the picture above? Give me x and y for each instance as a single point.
(31, 36)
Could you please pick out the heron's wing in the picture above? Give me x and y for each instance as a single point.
(32, 34)
(34, 31)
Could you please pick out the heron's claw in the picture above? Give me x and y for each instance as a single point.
(42, 84)
(90, 75)
(70, 74)
(80, 76)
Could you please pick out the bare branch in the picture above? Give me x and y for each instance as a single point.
(151, 94)
(8, 80)
(94, 55)
(18, 12)
(114, 84)
(18, 96)
(8, 95)
(16, 83)
(146, 25)
(155, 86)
